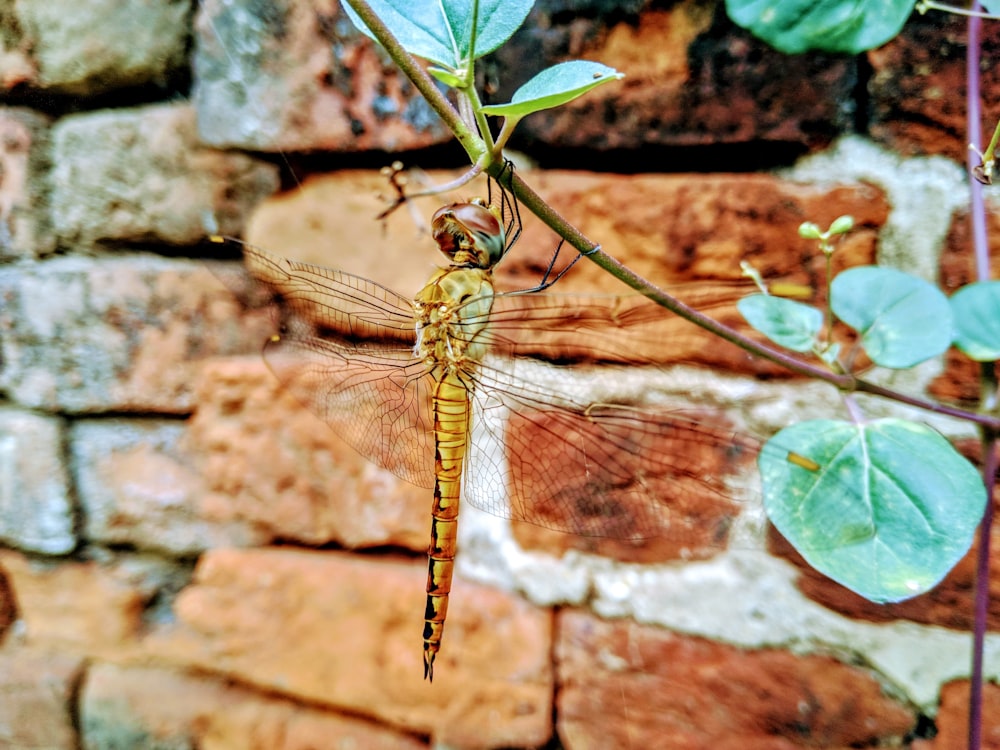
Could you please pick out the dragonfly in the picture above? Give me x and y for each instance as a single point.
(446, 390)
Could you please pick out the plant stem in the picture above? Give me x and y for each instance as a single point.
(988, 384)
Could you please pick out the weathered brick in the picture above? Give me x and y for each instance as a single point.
(692, 79)
(296, 75)
(312, 487)
(952, 720)
(25, 230)
(181, 489)
(150, 707)
(50, 44)
(90, 608)
(688, 233)
(918, 86)
(344, 631)
(140, 175)
(622, 684)
(136, 487)
(88, 335)
(36, 512)
(37, 694)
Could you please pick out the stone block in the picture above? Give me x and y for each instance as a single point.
(37, 695)
(25, 230)
(623, 684)
(97, 335)
(140, 175)
(88, 607)
(296, 75)
(50, 44)
(918, 86)
(692, 79)
(36, 511)
(151, 707)
(344, 631)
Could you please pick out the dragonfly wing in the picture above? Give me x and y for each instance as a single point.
(599, 470)
(344, 350)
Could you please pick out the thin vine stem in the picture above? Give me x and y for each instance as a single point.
(593, 252)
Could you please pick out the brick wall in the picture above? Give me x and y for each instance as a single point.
(189, 559)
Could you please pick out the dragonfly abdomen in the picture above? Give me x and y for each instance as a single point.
(451, 434)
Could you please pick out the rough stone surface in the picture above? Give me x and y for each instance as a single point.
(266, 461)
(24, 160)
(91, 608)
(686, 232)
(344, 631)
(159, 708)
(296, 75)
(136, 488)
(918, 86)
(89, 335)
(692, 78)
(87, 47)
(952, 721)
(140, 175)
(36, 512)
(37, 693)
(251, 467)
(626, 685)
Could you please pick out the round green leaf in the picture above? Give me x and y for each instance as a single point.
(903, 320)
(794, 26)
(786, 322)
(885, 508)
(555, 86)
(441, 30)
(976, 308)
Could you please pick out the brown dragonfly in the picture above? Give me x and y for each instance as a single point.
(409, 381)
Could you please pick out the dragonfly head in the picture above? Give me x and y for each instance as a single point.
(470, 233)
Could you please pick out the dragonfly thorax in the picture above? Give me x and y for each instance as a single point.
(452, 312)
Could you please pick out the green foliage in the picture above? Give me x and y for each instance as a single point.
(976, 308)
(791, 324)
(441, 30)
(796, 26)
(555, 86)
(885, 508)
(445, 32)
(902, 320)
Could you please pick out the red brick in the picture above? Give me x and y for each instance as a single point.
(139, 706)
(344, 631)
(686, 232)
(312, 487)
(316, 83)
(692, 79)
(37, 696)
(80, 607)
(627, 685)
(952, 721)
(918, 86)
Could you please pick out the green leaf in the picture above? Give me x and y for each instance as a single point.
(886, 508)
(440, 30)
(976, 308)
(791, 324)
(795, 26)
(555, 86)
(903, 320)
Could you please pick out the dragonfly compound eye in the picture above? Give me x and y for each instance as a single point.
(469, 233)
